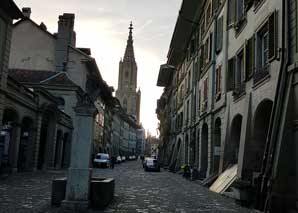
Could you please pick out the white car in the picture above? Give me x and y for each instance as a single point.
(102, 160)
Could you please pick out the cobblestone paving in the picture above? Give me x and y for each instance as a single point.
(136, 191)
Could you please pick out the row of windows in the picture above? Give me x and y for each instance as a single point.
(251, 61)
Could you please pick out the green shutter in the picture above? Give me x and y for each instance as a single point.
(231, 75)
(219, 37)
(232, 11)
(250, 58)
(273, 36)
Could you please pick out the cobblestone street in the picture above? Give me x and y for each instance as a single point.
(136, 191)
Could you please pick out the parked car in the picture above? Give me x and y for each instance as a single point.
(118, 160)
(102, 160)
(132, 157)
(123, 159)
(144, 161)
(151, 164)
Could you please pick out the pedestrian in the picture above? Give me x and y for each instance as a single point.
(112, 162)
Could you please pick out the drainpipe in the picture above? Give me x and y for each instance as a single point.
(276, 125)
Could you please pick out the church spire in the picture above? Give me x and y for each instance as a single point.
(129, 51)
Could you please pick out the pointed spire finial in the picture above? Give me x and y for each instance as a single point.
(130, 31)
(130, 27)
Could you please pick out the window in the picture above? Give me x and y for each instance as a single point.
(231, 74)
(218, 83)
(208, 13)
(250, 57)
(205, 95)
(188, 81)
(237, 12)
(187, 112)
(239, 74)
(240, 9)
(262, 48)
(202, 29)
(207, 50)
(126, 74)
(219, 35)
(231, 11)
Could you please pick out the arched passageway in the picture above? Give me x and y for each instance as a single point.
(232, 146)
(204, 151)
(254, 149)
(26, 148)
(217, 145)
(9, 138)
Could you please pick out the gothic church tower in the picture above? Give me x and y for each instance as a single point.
(127, 81)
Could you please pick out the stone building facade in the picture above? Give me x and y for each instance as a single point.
(64, 70)
(220, 85)
(30, 138)
(130, 99)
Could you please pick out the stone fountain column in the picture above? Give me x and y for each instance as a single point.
(79, 173)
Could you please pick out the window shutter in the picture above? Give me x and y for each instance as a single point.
(206, 52)
(232, 11)
(210, 48)
(219, 37)
(250, 58)
(273, 36)
(202, 57)
(231, 75)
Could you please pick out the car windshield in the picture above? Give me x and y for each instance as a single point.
(101, 157)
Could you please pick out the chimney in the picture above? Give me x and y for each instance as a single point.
(43, 26)
(26, 11)
(65, 36)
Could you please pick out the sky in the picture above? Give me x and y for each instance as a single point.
(102, 25)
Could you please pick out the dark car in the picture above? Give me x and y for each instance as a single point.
(101, 160)
(151, 164)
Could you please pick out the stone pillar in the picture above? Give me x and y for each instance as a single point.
(37, 141)
(16, 134)
(51, 144)
(79, 173)
(60, 151)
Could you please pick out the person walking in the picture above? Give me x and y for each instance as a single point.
(113, 162)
